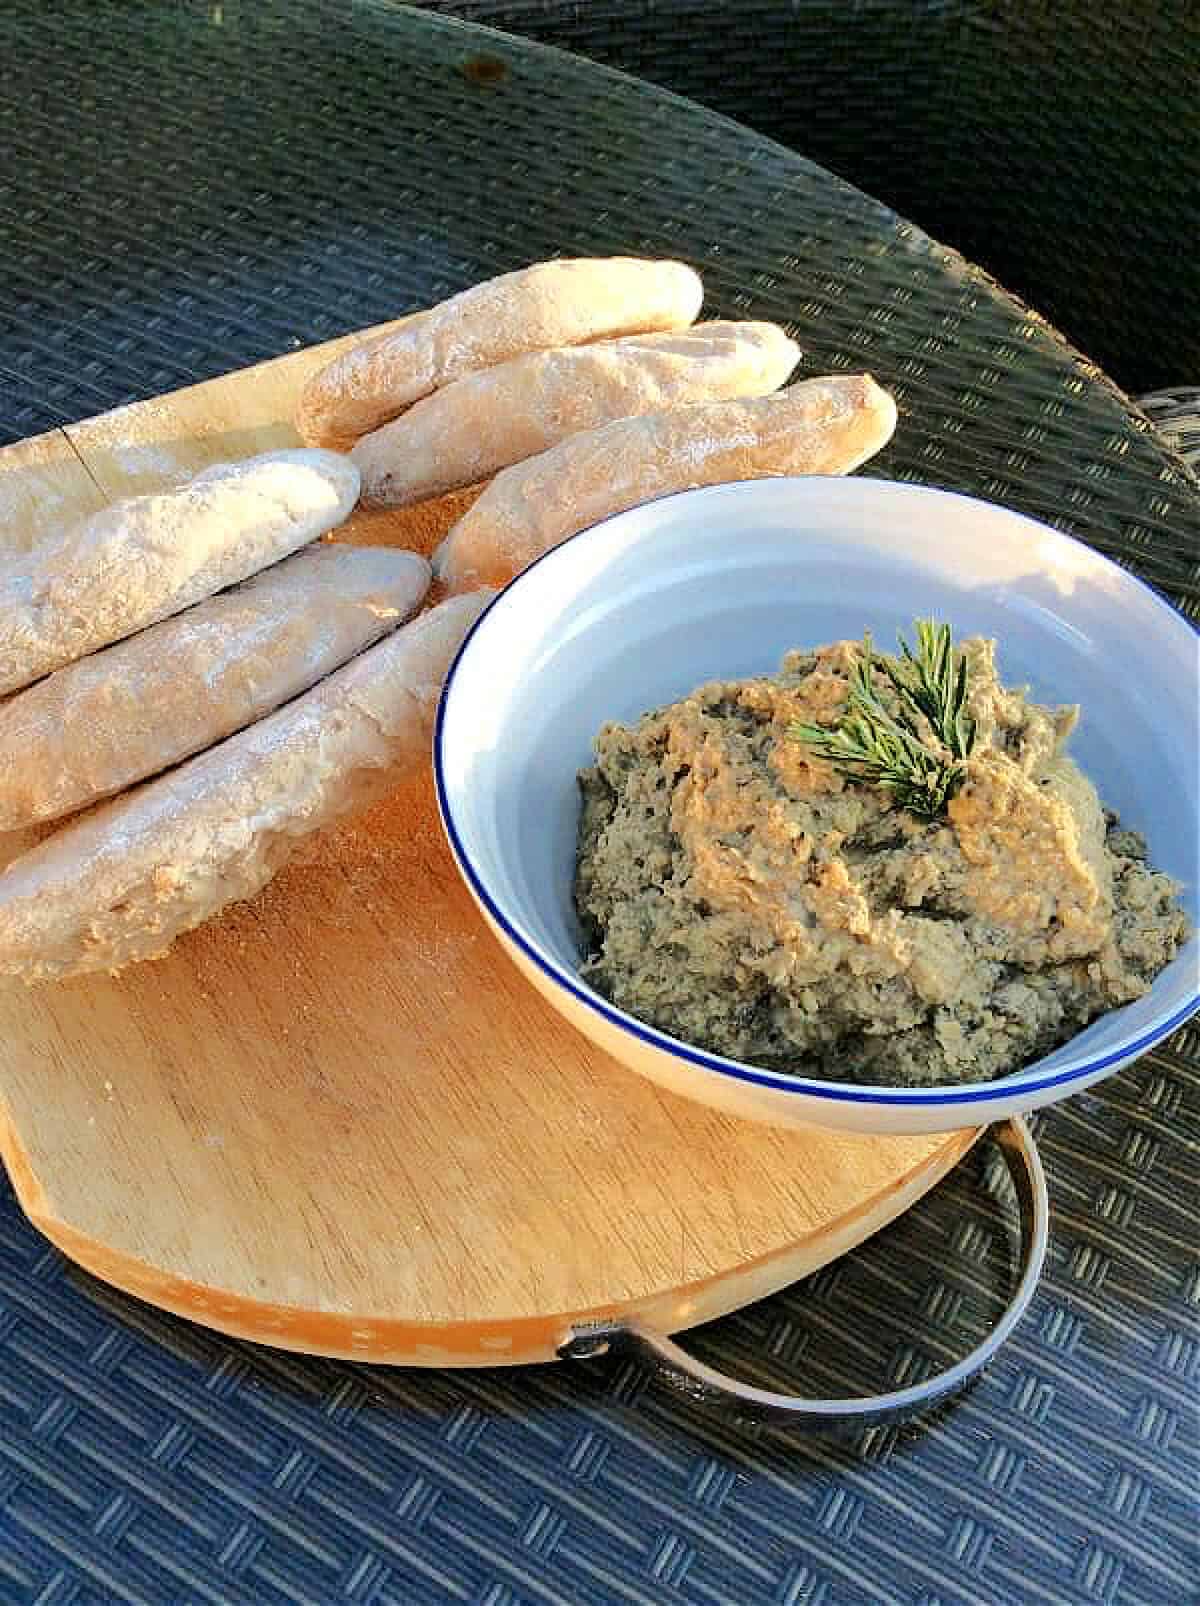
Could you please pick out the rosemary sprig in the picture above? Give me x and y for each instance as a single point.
(929, 684)
(873, 745)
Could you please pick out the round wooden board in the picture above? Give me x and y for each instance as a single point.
(337, 1119)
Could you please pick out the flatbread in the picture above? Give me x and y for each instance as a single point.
(466, 432)
(120, 883)
(559, 303)
(820, 426)
(133, 709)
(148, 557)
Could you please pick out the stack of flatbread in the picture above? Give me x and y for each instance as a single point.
(191, 686)
(584, 388)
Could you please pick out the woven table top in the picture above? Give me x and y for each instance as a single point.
(190, 188)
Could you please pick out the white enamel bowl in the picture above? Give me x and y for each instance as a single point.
(719, 583)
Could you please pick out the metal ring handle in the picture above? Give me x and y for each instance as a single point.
(706, 1385)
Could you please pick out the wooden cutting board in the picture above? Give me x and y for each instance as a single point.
(337, 1119)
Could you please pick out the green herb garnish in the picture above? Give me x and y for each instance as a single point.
(891, 750)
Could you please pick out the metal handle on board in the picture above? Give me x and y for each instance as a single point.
(748, 1403)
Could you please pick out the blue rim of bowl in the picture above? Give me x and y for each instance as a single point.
(779, 1080)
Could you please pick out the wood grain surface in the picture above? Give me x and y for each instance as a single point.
(337, 1119)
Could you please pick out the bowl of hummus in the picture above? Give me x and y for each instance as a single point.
(836, 801)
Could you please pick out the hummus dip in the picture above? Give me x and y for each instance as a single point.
(740, 893)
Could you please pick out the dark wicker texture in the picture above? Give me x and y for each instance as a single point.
(1056, 142)
(189, 188)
